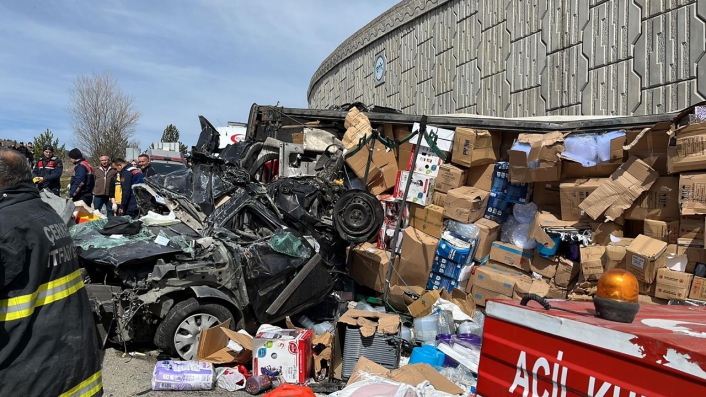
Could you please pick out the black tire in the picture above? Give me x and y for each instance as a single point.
(191, 309)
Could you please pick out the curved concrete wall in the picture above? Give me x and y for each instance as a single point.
(523, 58)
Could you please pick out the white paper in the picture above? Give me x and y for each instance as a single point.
(614, 239)
(677, 262)
(234, 346)
(161, 240)
(116, 236)
(456, 311)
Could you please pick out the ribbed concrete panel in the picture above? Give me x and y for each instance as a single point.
(524, 58)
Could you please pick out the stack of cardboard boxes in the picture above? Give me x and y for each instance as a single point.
(639, 206)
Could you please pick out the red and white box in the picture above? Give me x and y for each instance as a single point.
(287, 352)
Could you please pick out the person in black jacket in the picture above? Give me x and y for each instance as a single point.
(83, 181)
(48, 341)
(128, 176)
(143, 161)
(47, 172)
(30, 153)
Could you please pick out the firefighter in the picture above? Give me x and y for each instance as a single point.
(48, 342)
(83, 180)
(47, 172)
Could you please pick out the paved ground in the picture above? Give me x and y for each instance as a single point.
(133, 377)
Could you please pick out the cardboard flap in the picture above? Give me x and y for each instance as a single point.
(370, 322)
(422, 306)
(414, 374)
(365, 368)
(544, 147)
(213, 341)
(545, 219)
(357, 126)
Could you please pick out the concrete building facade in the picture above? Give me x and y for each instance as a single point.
(513, 58)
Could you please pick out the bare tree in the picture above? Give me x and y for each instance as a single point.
(102, 116)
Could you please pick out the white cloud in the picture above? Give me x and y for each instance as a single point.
(178, 59)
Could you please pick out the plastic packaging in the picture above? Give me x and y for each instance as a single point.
(445, 322)
(524, 213)
(519, 236)
(582, 148)
(446, 338)
(182, 375)
(471, 339)
(258, 384)
(406, 334)
(466, 230)
(364, 306)
(469, 327)
(506, 228)
(229, 379)
(425, 328)
(603, 144)
(319, 328)
(427, 354)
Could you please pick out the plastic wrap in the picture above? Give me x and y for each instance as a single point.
(524, 213)
(581, 148)
(519, 236)
(182, 375)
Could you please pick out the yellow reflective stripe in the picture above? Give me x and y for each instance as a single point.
(87, 388)
(23, 306)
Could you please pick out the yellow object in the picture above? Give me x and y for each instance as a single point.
(118, 192)
(35, 179)
(85, 216)
(618, 285)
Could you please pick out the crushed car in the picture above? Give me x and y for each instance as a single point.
(220, 243)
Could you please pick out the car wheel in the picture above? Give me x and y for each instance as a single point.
(180, 331)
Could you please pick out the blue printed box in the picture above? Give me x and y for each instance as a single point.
(511, 192)
(451, 269)
(437, 281)
(498, 209)
(456, 248)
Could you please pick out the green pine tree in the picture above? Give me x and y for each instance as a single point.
(47, 138)
(171, 134)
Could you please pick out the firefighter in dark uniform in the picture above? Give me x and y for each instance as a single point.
(47, 171)
(48, 342)
(84, 179)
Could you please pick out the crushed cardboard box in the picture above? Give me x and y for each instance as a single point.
(571, 170)
(382, 173)
(545, 153)
(645, 256)
(659, 202)
(416, 258)
(465, 204)
(621, 190)
(322, 347)
(412, 374)
(424, 305)
(616, 254)
(667, 231)
(369, 266)
(213, 345)
(686, 150)
(489, 232)
(564, 272)
(572, 193)
(604, 232)
(401, 296)
(592, 262)
(357, 127)
(545, 267)
(650, 146)
(438, 198)
(475, 147)
(481, 177)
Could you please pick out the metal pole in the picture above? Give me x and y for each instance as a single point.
(371, 146)
(421, 132)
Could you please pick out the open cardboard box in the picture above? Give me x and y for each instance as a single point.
(369, 323)
(423, 306)
(213, 342)
(412, 374)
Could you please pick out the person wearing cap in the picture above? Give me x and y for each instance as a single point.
(83, 180)
(22, 149)
(47, 171)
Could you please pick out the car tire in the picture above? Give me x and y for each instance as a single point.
(179, 332)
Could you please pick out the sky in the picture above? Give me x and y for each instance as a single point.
(177, 59)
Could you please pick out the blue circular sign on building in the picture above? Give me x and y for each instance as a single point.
(380, 68)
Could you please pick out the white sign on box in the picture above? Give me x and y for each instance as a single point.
(444, 142)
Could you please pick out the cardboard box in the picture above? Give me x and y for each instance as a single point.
(382, 173)
(481, 177)
(429, 219)
(659, 202)
(692, 198)
(450, 177)
(481, 295)
(420, 191)
(545, 267)
(687, 148)
(572, 193)
(457, 248)
(401, 296)
(411, 374)
(404, 152)
(438, 198)
(620, 191)
(592, 262)
(511, 255)
(369, 266)
(425, 304)
(322, 351)
(545, 151)
(512, 192)
(475, 147)
(368, 323)
(465, 204)
(529, 285)
(545, 219)
(428, 162)
(556, 292)
(645, 256)
(694, 251)
(448, 268)
(489, 232)
(661, 230)
(547, 194)
(570, 169)
(289, 351)
(496, 277)
(357, 127)
(444, 141)
(616, 253)
(672, 285)
(602, 232)
(647, 288)
(651, 300)
(213, 345)
(564, 270)
(416, 257)
(650, 146)
(691, 227)
(698, 289)
(498, 209)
